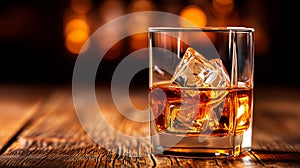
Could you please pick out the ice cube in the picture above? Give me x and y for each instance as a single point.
(194, 70)
(161, 74)
(190, 117)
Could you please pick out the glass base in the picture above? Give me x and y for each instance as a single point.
(201, 146)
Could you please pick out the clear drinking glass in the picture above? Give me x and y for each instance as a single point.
(201, 90)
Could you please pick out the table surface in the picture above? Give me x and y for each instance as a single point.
(40, 128)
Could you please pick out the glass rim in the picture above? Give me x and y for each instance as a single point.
(201, 29)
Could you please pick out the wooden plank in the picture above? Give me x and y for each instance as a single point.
(17, 104)
(57, 139)
(195, 162)
(57, 133)
(278, 159)
(276, 138)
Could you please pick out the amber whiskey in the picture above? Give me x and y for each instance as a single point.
(222, 113)
(218, 112)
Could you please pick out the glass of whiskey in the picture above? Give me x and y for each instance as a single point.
(201, 90)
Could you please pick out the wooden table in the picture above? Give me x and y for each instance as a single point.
(40, 128)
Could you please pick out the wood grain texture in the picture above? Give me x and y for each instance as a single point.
(17, 104)
(57, 139)
(276, 135)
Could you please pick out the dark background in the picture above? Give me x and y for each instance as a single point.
(33, 51)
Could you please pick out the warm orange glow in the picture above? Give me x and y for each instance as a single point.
(76, 24)
(77, 36)
(138, 41)
(75, 40)
(194, 14)
(110, 39)
(81, 6)
(76, 33)
(115, 51)
(111, 9)
(224, 2)
(223, 8)
(242, 110)
(142, 5)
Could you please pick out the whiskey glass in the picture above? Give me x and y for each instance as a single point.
(201, 90)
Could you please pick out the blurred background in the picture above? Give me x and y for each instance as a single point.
(40, 40)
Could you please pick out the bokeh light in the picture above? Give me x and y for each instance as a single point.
(194, 14)
(81, 6)
(111, 9)
(76, 24)
(141, 5)
(85, 16)
(77, 32)
(138, 41)
(222, 8)
(134, 24)
(75, 41)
